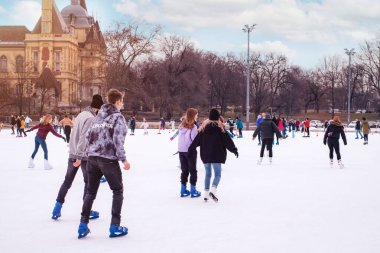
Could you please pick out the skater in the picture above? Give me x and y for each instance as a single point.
(276, 121)
(67, 125)
(231, 124)
(172, 124)
(307, 127)
(145, 125)
(358, 129)
(18, 124)
(187, 133)
(298, 123)
(366, 129)
(292, 127)
(332, 136)
(40, 140)
(162, 125)
(132, 124)
(22, 126)
(28, 120)
(105, 149)
(240, 126)
(267, 128)
(259, 120)
(213, 141)
(13, 123)
(284, 125)
(77, 155)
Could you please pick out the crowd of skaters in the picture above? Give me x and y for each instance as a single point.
(96, 145)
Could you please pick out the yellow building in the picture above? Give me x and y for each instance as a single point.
(69, 43)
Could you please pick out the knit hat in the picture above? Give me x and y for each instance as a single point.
(214, 114)
(97, 101)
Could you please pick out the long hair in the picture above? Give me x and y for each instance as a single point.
(189, 120)
(46, 119)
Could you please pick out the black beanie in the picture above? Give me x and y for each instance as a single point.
(97, 101)
(214, 114)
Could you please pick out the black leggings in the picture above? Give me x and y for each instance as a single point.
(366, 137)
(269, 144)
(67, 132)
(333, 143)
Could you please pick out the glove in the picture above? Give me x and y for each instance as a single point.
(171, 138)
(345, 144)
(236, 154)
(64, 139)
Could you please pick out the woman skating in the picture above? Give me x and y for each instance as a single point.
(332, 136)
(214, 141)
(40, 140)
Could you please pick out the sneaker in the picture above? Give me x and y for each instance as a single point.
(116, 231)
(83, 230)
(56, 211)
(94, 215)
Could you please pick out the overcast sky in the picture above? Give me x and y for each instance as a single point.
(304, 30)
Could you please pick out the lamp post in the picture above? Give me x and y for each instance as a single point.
(248, 29)
(350, 53)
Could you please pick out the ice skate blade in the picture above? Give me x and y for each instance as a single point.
(84, 234)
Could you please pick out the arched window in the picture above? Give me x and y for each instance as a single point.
(19, 64)
(3, 64)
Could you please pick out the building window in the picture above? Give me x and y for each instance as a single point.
(19, 64)
(3, 64)
(35, 61)
(58, 61)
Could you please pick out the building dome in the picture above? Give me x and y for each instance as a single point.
(75, 15)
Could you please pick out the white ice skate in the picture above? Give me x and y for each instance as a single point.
(331, 162)
(260, 161)
(212, 194)
(206, 195)
(270, 160)
(341, 165)
(31, 163)
(47, 165)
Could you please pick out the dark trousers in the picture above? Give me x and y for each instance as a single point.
(269, 144)
(333, 144)
(37, 142)
(232, 131)
(259, 136)
(22, 131)
(308, 131)
(240, 132)
(96, 168)
(188, 166)
(13, 129)
(133, 129)
(67, 133)
(69, 178)
(366, 137)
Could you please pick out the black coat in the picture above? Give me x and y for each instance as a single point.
(268, 128)
(334, 131)
(357, 125)
(213, 144)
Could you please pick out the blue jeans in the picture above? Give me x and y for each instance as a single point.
(37, 142)
(359, 132)
(218, 174)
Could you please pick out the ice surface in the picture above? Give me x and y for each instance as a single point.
(296, 205)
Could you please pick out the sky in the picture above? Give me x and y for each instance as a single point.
(304, 30)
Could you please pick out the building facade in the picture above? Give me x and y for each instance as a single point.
(68, 42)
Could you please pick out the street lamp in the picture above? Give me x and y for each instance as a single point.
(350, 53)
(248, 29)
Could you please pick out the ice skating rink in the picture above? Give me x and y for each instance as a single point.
(296, 205)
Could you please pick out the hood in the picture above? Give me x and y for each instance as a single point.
(209, 125)
(107, 110)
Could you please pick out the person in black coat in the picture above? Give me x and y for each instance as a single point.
(268, 128)
(332, 136)
(214, 142)
(358, 129)
(13, 123)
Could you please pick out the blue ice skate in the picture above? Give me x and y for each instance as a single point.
(194, 193)
(57, 211)
(116, 231)
(184, 191)
(83, 230)
(94, 215)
